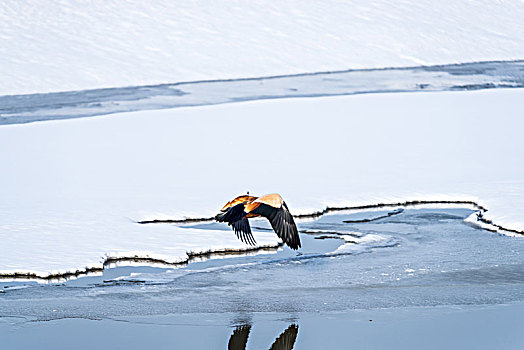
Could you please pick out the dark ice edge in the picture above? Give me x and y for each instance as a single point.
(191, 257)
(389, 214)
(19, 109)
(480, 215)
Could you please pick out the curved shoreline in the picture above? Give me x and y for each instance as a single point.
(491, 225)
(330, 209)
(191, 257)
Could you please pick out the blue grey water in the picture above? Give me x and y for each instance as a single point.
(411, 258)
(15, 109)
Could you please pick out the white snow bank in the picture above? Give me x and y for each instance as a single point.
(71, 189)
(73, 45)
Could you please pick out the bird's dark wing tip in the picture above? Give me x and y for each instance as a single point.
(243, 231)
(282, 222)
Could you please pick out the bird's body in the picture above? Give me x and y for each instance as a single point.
(237, 212)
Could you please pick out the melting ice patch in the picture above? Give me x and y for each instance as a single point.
(364, 244)
(74, 104)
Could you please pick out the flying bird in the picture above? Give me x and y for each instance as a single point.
(237, 212)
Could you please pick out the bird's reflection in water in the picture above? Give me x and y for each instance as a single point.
(285, 341)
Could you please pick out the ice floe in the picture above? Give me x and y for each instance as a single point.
(72, 191)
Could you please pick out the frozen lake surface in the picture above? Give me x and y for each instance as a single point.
(385, 267)
(415, 257)
(74, 190)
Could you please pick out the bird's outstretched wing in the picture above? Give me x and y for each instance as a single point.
(282, 222)
(238, 339)
(234, 218)
(243, 231)
(285, 227)
(287, 339)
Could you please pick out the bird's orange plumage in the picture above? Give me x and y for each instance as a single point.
(274, 200)
(238, 200)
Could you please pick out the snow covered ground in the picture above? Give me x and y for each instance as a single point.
(72, 189)
(74, 45)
